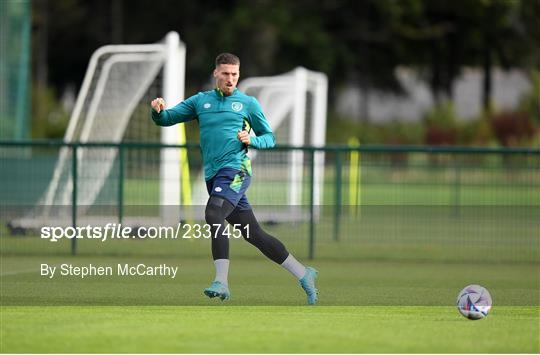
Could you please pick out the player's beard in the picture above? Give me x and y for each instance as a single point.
(227, 90)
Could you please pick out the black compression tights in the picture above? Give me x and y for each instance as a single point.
(218, 209)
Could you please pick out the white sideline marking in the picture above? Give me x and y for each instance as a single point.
(25, 271)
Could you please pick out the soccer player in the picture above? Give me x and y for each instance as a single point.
(226, 117)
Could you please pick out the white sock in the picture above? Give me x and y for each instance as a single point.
(222, 270)
(294, 267)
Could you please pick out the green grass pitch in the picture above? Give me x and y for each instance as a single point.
(365, 306)
(266, 329)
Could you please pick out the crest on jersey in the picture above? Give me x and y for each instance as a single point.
(237, 106)
(207, 105)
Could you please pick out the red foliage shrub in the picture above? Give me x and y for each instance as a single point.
(512, 128)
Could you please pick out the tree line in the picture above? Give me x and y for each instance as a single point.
(352, 41)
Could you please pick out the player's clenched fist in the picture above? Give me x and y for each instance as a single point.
(158, 104)
(243, 136)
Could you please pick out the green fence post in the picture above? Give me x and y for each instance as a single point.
(74, 196)
(120, 183)
(311, 253)
(337, 201)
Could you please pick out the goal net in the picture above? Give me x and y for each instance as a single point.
(113, 106)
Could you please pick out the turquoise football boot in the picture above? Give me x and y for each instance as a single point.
(218, 289)
(308, 284)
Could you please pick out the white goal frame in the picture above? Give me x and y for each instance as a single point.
(172, 55)
(281, 94)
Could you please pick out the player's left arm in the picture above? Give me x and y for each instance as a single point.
(264, 137)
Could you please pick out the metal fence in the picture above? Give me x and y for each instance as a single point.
(373, 201)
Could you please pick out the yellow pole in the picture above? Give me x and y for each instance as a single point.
(186, 184)
(359, 179)
(184, 171)
(353, 174)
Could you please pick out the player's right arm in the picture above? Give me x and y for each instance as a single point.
(183, 112)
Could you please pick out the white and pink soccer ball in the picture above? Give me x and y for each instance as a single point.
(474, 302)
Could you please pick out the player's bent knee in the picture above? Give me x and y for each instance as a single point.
(217, 209)
(214, 215)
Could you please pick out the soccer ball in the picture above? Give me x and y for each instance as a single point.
(474, 302)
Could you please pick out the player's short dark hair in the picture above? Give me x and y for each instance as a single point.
(227, 58)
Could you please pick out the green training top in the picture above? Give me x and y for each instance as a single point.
(220, 118)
